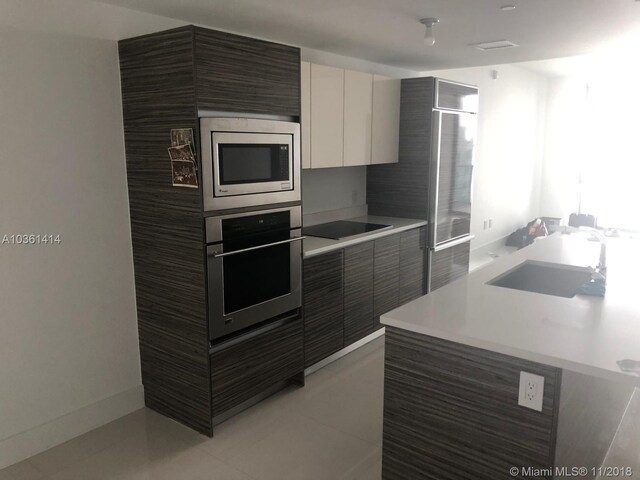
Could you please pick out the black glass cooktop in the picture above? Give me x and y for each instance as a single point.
(342, 229)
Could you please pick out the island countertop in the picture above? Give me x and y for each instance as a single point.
(584, 334)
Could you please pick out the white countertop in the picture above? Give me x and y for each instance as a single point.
(316, 246)
(584, 334)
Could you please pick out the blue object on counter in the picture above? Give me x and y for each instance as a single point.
(596, 287)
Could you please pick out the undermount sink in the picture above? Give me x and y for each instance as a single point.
(546, 278)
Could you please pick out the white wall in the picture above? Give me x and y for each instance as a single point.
(563, 142)
(69, 357)
(509, 149)
(326, 189)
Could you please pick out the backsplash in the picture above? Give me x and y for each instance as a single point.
(333, 189)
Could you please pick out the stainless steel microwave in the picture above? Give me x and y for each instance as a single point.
(249, 162)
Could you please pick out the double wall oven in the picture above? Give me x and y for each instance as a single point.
(251, 188)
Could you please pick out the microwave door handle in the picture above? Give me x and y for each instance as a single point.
(236, 252)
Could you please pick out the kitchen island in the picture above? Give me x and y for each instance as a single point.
(453, 360)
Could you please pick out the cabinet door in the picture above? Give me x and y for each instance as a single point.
(358, 292)
(323, 307)
(358, 91)
(447, 265)
(251, 366)
(305, 120)
(413, 263)
(386, 275)
(385, 127)
(241, 74)
(327, 116)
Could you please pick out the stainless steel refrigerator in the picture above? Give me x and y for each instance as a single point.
(434, 176)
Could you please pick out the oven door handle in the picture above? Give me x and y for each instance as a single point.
(236, 252)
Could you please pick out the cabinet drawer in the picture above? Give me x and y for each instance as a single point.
(246, 369)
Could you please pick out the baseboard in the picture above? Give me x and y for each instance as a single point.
(38, 439)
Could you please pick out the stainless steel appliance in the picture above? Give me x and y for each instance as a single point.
(453, 137)
(249, 162)
(433, 178)
(254, 262)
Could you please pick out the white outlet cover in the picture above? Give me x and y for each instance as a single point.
(531, 391)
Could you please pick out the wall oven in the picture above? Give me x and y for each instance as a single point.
(249, 162)
(254, 262)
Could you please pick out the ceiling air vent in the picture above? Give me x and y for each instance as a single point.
(486, 46)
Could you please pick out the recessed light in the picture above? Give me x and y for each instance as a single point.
(495, 45)
(506, 8)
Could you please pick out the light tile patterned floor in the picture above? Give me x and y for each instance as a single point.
(330, 429)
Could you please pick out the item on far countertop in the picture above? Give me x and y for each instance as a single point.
(627, 365)
(526, 235)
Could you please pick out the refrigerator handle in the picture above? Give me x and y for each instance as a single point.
(453, 243)
(434, 177)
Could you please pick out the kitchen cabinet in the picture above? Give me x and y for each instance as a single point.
(385, 120)
(448, 264)
(246, 368)
(386, 275)
(167, 78)
(413, 260)
(358, 92)
(241, 74)
(305, 108)
(323, 306)
(350, 118)
(358, 292)
(327, 116)
(346, 291)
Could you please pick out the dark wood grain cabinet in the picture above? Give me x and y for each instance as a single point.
(346, 291)
(167, 78)
(323, 306)
(386, 275)
(448, 264)
(240, 74)
(358, 292)
(413, 261)
(245, 369)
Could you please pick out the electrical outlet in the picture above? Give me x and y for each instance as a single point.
(491, 223)
(486, 223)
(531, 391)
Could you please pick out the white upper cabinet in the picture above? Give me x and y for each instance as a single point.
(305, 134)
(358, 91)
(385, 127)
(348, 118)
(327, 116)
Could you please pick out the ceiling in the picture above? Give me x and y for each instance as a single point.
(389, 32)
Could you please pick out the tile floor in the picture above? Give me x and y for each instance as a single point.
(330, 429)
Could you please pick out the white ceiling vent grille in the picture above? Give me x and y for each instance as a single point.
(498, 44)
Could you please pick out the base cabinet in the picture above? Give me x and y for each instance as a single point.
(386, 276)
(346, 291)
(323, 306)
(358, 292)
(448, 265)
(244, 369)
